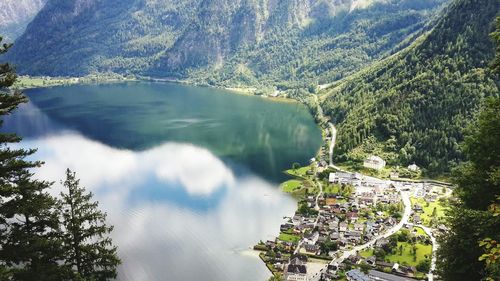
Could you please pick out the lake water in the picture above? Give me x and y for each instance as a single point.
(188, 176)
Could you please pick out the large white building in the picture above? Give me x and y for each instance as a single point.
(345, 178)
(374, 162)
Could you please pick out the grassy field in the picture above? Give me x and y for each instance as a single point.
(331, 188)
(428, 209)
(291, 185)
(27, 82)
(289, 237)
(358, 167)
(300, 172)
(423, 251)
(366, 253)
(420, 231)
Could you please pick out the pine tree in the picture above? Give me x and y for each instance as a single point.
(89, 249)
(30, 242)
(496, 37)
(29, 226)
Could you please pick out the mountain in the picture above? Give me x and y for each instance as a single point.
(414, 106)
(225, 42)
(335, 41)
(15, 16)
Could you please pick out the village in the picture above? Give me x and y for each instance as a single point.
(350, 226)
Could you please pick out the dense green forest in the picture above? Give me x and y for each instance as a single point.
(470, 249)
(272, 44)
(413, 106)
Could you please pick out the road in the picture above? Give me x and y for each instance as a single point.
(435, 245)
(332, 145)
(332, 142)
(405, 196)
(406, 215)
(404, 220)
(333, 130)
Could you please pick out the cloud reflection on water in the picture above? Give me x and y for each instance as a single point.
(153, 198)
(197, 170)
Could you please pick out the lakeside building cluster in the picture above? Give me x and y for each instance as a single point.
(354, 210)
(361, 209)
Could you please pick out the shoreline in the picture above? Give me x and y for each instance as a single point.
(26, 82)
(246, 91)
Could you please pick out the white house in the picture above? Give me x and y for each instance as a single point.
(374, 162)
(331, 178)
(413, 168)
(312, 238)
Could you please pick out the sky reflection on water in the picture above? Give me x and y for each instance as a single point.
(179, 212)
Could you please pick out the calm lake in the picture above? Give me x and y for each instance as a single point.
(188, 176)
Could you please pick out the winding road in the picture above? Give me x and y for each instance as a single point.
(405, 196)
(404, 220)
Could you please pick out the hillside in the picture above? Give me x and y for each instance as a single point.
(414, 106)
(15, 16)
(227, 43)
(334, 44)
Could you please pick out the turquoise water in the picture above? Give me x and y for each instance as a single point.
(187, 175)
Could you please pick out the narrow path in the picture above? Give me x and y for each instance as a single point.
(316, 207)
(435, 246)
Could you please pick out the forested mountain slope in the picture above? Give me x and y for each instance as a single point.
(15, 16)
(224, 42)
(414, 106)
(335, 43)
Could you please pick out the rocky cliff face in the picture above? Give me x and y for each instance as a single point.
(15, 16)
(222, 27)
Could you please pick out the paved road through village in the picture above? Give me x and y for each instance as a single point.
(406, 215)
(405, 196)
